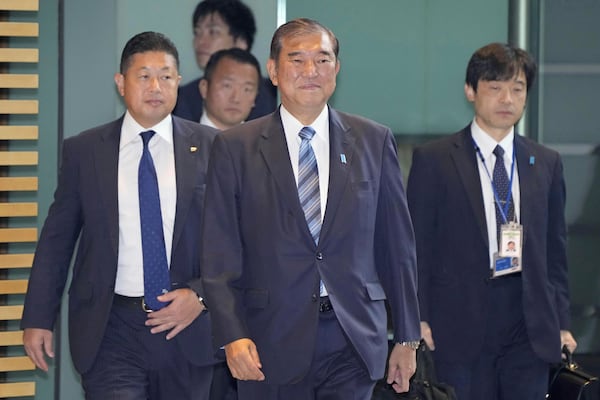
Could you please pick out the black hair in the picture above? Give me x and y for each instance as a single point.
(144, 42)
(237, 15)
(236, 54)
(500, 62)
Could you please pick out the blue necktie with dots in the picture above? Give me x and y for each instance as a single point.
(501, 184)
(156, 269)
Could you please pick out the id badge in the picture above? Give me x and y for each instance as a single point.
(508, 259)
(511, 240)
(505, 265)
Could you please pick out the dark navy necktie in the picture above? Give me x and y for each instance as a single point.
(502, 187)
(308, 183)
(156, 270)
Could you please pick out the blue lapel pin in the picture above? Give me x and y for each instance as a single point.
(343, 158)
(531, 160)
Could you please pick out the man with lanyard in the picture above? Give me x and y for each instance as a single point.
(496, 312)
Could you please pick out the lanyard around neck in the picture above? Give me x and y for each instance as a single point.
(503, 209)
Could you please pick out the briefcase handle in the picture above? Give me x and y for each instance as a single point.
(569, 357)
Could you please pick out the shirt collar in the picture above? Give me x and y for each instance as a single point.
(205, 120)
(487, 144)
(291, 125)
(131, 129)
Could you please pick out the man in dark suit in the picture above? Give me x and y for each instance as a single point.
(229, 88)
(297, 295)
(219, 25)
(494, 333)
(120, 347)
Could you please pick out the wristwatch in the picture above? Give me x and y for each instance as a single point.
(201, 300)
(414, 344)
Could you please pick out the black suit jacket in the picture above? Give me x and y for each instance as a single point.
(189, 101)
(86, 207)
(261, 267)
(446, 204)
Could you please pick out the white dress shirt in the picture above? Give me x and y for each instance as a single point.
(486, 146)
(320, 146)
(130, 273)
(205, 120)
(319, 143)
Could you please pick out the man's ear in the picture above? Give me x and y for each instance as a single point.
(272, 70)
(469, 92)
(120, 82)
(203, 87)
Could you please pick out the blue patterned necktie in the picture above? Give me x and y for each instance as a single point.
(308, 188)
(501, 184)
(308, 183)
(156, 270)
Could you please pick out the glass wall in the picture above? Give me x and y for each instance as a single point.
(566, 34)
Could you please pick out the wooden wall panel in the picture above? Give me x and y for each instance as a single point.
(19, 81)
(19, 55)
(19, 5)
(18, 132)
(18, 222)
(16, 29)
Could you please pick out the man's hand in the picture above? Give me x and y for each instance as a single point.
(427, 335)
(243, 360)
(402, 365)
(38, 344)
(566, 339)
(183, 310)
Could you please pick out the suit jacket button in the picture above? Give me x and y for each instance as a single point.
(314, 298)
(319, 256)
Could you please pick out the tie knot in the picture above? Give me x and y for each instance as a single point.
(498, 151)
(307, 133)
(146, 136)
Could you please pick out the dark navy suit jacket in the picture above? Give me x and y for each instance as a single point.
(189, 101)
(446, 204)
(86, 207)
(261, 267)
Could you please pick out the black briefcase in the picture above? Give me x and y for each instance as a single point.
(569, 382)
(423, 385)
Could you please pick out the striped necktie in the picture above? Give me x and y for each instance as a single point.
(308, 183)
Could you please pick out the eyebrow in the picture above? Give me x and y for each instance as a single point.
(297, 53)
(147, 68)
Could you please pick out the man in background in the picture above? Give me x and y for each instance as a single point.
(229, 88)
(495, 326)
(129, 195)
(306, 234)
(218, 25)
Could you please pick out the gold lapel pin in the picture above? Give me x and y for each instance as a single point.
(193, 149)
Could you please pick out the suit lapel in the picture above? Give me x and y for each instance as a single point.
(527, 180)
(274, 150)
(341, 142)
(107, 171)
(185, 169)
(465, 160)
